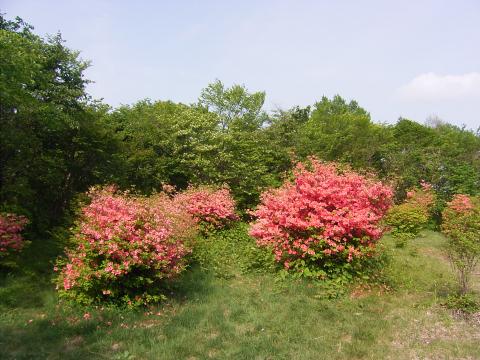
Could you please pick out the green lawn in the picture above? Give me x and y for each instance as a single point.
(249, 317)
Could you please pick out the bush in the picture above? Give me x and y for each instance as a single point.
(230, 252)
(11, 226)
(323, 221)
(125, 247)
(212, 208)
(407, 219)
(461, 225)
(466, 303)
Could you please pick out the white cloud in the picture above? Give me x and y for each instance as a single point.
(434, 87)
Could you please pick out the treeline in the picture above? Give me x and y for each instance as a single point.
(56, 141)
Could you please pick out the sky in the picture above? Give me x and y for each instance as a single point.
(412, 58)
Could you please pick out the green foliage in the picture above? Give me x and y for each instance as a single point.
(163, 142)
(461, 225)
(406, 221)
(337, 274)
(235, 106)
(51, 143)
(446, 156)
(282, 137)
(244, 157)
(341, 131)
(232, 252)
(466, 303)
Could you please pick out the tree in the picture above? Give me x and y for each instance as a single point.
(445, 156)
(341, 131)
(242, 159)
(51, 144)
(163, 142)
(235, 106)
(461, 225)
(282, 135)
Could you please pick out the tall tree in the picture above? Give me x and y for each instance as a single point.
(341, 131)
(50, 143)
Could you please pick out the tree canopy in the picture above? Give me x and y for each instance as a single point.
(56, 141)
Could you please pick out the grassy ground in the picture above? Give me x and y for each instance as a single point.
(248, 317)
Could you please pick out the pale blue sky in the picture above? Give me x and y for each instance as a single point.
(396, 58)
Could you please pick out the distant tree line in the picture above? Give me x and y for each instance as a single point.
(56, 141)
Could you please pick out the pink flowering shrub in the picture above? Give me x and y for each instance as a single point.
(323, 220)
(407, 219)
(125, 246)
(460, 204)
(212, 208)
(423, 197)
(461, 225)
(11, 226)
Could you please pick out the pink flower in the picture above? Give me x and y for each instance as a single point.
(87, 316)
(208, 205)
(324, 210)
(119, 233)
(11, 225)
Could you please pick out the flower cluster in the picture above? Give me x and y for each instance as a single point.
(209, 206)
(11, 226)
(325, 213)
(423, 198)
(461, 204)
(124, 246)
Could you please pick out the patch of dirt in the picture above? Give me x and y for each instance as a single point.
(213, 335)
(364, 290)
(427, 330)
(429, 252)
(73, 343)
(243, 329)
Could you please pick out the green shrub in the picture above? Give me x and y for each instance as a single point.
(231, 251)
(461, 225)
(407, 219)
(466, 303)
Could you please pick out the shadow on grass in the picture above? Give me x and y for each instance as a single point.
(27, 283)
(192, 284)
(43, 338)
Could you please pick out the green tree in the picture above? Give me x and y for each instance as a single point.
(235, 106)
(51, 144)
(341, 131)
(243, 157)
(163, 142)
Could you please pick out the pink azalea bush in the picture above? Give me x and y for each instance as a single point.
(125, 246)
(11, 227)
(460, 204)
(324, 217)
(209, 206)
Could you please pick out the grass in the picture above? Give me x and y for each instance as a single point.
(253, 316)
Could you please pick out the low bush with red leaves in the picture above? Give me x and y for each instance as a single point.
(11, 227)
